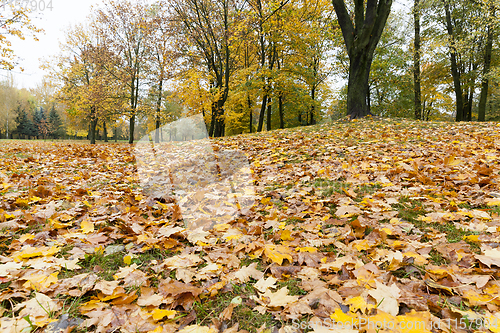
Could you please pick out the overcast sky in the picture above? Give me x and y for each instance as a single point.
(63, 14)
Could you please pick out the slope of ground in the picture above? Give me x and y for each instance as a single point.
(366, 226)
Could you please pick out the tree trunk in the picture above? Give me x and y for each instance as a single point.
(361, 37)
(358, 88)
(416, 62)
(105, 130)
(280, 106)
(92, 130)
(131, 129)
(481, 116)
(313, 106)
(249, 102)
(262, 113)
(454, 66)
(134, 99)
(269, 112)
(158, 109)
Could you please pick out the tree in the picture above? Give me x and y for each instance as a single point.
(23, 127)
(416, 61)
(161, 58)
(84, 68)
(55, 124)
(361, 37)
(490, 7)
(14, 21)
(124, 27)
(209, 26)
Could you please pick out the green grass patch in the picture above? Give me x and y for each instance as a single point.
(327, 188)
(293, 286)
(437, 258)
(243, 314)
(105, 266)
(369, 189)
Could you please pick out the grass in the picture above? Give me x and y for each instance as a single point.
(243, 314)
(104, 266)
(409, 210)
(293, 286)
(328, 187)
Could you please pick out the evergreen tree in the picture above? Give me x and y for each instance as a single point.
(41, 124)
(23, 126)
(55, 124)
(37, 119)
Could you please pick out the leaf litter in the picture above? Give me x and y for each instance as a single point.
(353, 223)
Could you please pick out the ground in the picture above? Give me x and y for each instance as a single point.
(362, 226)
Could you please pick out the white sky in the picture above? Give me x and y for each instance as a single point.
(64, 13)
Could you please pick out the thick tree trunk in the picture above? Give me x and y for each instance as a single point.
(481, 116)
(218, 119)
(416, 62)
(358, 88)
(131, 127)
(92, 130)
(361, 34)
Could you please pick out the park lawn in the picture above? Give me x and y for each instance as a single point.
(353, 223)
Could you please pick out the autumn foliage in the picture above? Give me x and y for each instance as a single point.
(354, 222)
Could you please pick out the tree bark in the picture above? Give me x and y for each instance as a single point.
(92, 126)
(158, 109)
(281, 111)
(416, 62)
(131, 129)
(105, 130)
(313, 106)
(358, 88)
(361, 38)
(481, 116)
(249, 102)
(262, 113)
(269, 112)
(454, 66)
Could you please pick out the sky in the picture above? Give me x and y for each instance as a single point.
(64, 13)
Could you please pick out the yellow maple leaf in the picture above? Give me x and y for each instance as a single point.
(127, 260)
(286, 235)
(471, 238)
(277, 253)
(345, 319)
(37, 282)
(87, 226)
(159, 314)
(309, 249)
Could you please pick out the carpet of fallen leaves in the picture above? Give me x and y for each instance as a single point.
(367, 226)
